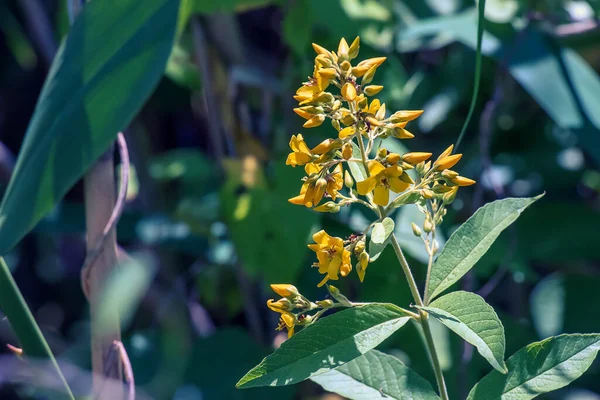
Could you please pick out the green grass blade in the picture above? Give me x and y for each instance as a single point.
(15, 308)
(480, 20)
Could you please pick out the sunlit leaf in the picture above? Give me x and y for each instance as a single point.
(326, 345)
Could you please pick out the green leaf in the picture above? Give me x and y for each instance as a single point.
(359, 173)
(540, 367)
(471, 318)
(471, 240)
(376, 375)
(380, 236)
(329, 343)
(109, 64)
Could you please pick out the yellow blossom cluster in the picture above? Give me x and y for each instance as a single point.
(343, 93)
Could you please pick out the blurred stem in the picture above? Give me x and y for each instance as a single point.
(30, 336)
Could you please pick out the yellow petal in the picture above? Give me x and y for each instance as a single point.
(393, 171)
(321, 236)
(375, 168)
(334, 268)
(285, 289)
(298, 200)
(398, 185)
(320, 50)
(302, 113)
(381, 195)
(375, 104)
(323, 281)
(348, 131)
(366, 186)
(311, 168)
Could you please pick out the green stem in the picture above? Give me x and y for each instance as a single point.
(439, 376)
(26, 329)
(429, 266)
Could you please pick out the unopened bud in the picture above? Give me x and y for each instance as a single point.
(449, 197)
(354, 47)
(359, 247)
(336, 294)
(336, 124)
(362, 101)
(449, 174)
(348, 181)
(329, 207)
(324, 60)
(314, 121)
(363, 263)
(347, 151)
(372, 90)
(345, 66)
(348, 91)
(392, 158)
(325, 303)
(336, 105)
(368, 76)
(416, 230)
(382, 153)
(285, 289)
(427, 225)
(343, 50)
(427, 193)
(435, 247)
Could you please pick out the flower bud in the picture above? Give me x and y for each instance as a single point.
(324, 60)
(324, 97)
(368, 76)
(348, 181)
(354, 47)
(345, 66)
(446, 162)
(329, 207)
(449, 174)
(372, 90)
(321, 50)
(282, 305)
(405, 115)
(285, 289)
(347, 151)
(362, 101)
(359, 247)
(303, 113)
(336, 105)
(427, 225)
(449, 197)
(373, 121)
(348, 119)
(401, 133)
(435, 247)
(359, 71)
(328, 73)
(336, 124)
(416, 230)
(462, 181)
(415, 157)
(382, 153)
(325, 303)
(348, 91)
(447, 152)
(361, 267)
(314, 121)
(336, 294)
(406, 178)
(392, 158)
(427, 193)
(343, 49)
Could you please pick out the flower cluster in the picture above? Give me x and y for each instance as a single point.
(354, 159)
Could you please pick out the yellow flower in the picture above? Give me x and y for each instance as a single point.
(333, 258)
(335, 181)
(462, 181)
(287, 320)
(415, 157)
(381, 180)
(300, 154)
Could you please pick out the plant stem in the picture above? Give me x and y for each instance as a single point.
(22, 321)
(439, 376)
(435, 362)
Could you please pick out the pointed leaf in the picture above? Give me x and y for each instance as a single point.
(328, 344)
(109, 64)
(380, 236)
(540, 367)
(471, 318)
(471, 240)
(376, 375)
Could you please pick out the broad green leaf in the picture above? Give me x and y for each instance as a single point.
(471, 240)
(539, 368)
(108, 66)
(380, 236)
(359, 173)
(470, 317)
(329, 343)
(376, 375)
